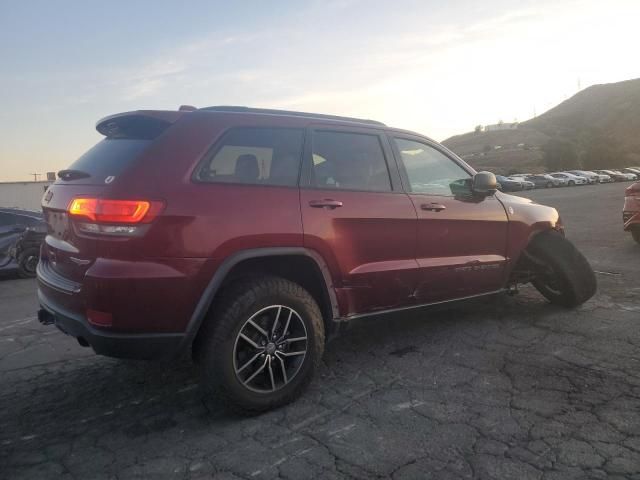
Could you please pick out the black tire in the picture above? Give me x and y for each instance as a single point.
(27, 262)
(215, 347)
(565, 278)
(635, 233)
(572, 183)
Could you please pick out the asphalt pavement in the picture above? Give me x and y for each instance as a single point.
(504, 387)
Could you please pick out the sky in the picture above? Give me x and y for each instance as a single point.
(436, 67)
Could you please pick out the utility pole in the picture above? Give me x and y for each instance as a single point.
(35, 176)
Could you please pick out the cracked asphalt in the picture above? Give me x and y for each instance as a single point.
(505, 388)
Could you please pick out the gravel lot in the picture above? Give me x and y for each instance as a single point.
(508, 387)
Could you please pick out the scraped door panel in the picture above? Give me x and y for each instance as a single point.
(354, 219)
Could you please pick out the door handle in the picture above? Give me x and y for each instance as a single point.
(326, 203)
(433, 207)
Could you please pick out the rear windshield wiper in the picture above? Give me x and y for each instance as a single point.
(72, 174)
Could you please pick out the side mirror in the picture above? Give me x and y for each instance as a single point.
(484, 184)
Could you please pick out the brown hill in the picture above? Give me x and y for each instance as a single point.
(605, 113)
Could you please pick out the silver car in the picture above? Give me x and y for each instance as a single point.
(633, 171)
(590, 176)
(570, 178)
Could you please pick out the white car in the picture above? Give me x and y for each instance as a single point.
(570, 178)
(633, 171)
(590, 176)
(628, 176)
(604, 177)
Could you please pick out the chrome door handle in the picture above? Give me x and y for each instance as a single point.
(433, 207)
(326, 203)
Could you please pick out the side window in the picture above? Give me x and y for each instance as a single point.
(429, 170)
(262, 156)
(350, 161)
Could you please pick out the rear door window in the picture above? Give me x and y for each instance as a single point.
(349, 161)
(257, 156)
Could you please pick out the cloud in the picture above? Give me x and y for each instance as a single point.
(150, 79)
(434, 67)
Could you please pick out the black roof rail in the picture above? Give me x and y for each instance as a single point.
(270, 111)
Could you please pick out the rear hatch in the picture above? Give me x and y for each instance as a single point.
(67, 251)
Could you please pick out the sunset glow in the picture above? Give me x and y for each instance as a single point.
(435, 67)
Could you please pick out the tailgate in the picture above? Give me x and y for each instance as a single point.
(67, 253)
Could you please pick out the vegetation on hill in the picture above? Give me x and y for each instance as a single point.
(599, 127)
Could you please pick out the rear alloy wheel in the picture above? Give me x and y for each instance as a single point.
(563, 274)
(28, 262)
(270, 349)
(262, 344)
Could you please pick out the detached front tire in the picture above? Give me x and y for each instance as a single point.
(262, 344)
(564, 276)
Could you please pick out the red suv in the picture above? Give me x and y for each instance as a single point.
(631, 211)
(247, 236)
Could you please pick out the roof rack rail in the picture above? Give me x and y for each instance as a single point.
(270, 111)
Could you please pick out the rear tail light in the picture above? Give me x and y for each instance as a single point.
(113, 217)
(99, 319)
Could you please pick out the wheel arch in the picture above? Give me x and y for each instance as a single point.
(242, 263)
(518, 259)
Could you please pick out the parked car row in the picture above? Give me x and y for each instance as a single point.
(570, 178)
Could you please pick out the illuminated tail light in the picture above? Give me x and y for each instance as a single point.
(113, 217)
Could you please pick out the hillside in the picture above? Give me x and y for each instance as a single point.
(607, 113)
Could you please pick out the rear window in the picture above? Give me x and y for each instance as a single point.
(110, 157)
(259, 156)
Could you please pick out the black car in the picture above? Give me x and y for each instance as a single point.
(506, 184)
(21, 233)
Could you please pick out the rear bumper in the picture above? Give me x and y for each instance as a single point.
(121, 345)
(147, 296)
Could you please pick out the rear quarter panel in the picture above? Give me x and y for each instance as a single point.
(209, 220)
(154, 282)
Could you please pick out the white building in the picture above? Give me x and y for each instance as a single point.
(27, 195)
(501, 126)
